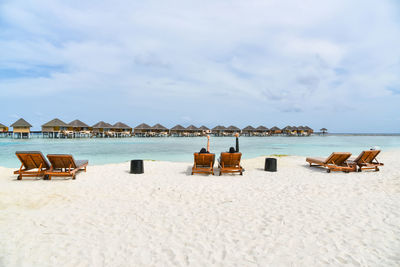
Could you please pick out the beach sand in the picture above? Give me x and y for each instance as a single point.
(298, 216)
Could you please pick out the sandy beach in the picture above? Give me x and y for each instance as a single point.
(298, 216)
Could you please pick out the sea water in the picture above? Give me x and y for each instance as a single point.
(115, 150)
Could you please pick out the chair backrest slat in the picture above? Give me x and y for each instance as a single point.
(338, 158)
(231, 159)
(367, 156)
(204, 158)
(32, 159)
(62, 161)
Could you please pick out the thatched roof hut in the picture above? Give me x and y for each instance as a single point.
(78, 124)
(248, 129)
(308, 129)
(3, 128)
(275, 130)
(122, 126)
(159, 127)
(233, 128)
(178, 128)
(204, 128)
(192, 128)
(143, 126)
(219, 128)
(22, 128)
(142, 129)
(55, 125)
(261, 129)
(21, 123)
(102, 125)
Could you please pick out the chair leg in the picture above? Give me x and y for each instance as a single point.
(19, 177)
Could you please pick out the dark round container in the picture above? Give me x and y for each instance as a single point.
(137, 166)
(270, 164)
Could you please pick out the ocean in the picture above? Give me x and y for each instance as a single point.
(113, 150)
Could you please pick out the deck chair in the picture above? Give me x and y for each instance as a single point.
(230, 163)
(337, 161)
(203, 163)
(367, 160)
(33, 164)
(65, 165)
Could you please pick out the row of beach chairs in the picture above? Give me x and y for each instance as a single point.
(34, 164)
(341, 161)
(228, 163)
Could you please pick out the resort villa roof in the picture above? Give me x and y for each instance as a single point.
(248, 129)
(233, 128)
(287, 128)
(219, 128)
(275, 129)
(78, 124)
(102, 124)
(192, 128)
(159, 127)
(143, 126)
(2, 126)
(261, 128)
(120, 125)
(204, 128)
(21, 123)
(55, 123)
(178, 128)
(307, 128)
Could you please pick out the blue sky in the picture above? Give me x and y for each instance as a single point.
(333, 64)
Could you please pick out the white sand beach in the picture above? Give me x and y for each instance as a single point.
(298, 216)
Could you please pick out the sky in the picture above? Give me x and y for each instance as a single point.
(332, 64)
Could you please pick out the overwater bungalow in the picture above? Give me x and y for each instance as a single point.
(122, 130)
(204, 130)
(177, 130)
(192, 130)
(55, 128)
(248, 131)
(78, 129)
(218, 130)
(295, 130)
(159, 130)
(21, 129)
(287, 130)
(308, 130)
(3, 130)
(275, 131)
(232, 130)
(102, 129)
(261, 131)
(142, 130)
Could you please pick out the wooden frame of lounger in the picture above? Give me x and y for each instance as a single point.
(367, 160)
(337, 161)
(66, 162)
(230, 163)
(33, 164)
(203, 163)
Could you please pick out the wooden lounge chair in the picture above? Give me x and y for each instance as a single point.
(65, 165)
(367, 160)
(230, 163)
(33, 164)
(203, 163)
(337, 161)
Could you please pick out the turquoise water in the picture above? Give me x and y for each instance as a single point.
(103, 151)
